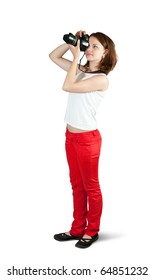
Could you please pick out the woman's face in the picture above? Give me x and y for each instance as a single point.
(95, 51)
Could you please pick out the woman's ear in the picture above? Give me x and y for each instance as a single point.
(106, 51)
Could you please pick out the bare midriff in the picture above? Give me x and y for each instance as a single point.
(75, 130)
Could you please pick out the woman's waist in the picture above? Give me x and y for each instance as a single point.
(82, 135)
(75, 129)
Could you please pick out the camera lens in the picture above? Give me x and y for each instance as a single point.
(70, 39)
(84, 43)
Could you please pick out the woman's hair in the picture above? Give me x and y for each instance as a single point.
(109, 61)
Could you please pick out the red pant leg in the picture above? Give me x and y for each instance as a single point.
(88, 153)
(79, 194)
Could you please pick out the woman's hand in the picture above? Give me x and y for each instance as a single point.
(75, 50)
(80, 33)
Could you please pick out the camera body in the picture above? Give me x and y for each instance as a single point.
(72, 40)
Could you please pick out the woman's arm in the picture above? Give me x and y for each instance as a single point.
(57, 57)
(97, 82)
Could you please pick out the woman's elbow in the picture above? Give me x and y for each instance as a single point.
(64, 87)
(50, 56)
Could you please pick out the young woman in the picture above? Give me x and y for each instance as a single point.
(83, 140)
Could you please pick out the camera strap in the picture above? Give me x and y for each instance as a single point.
(80, 63)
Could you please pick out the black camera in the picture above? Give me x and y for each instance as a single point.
(72, 40)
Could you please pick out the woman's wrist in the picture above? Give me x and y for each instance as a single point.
(75, 59)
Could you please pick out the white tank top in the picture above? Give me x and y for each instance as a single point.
(82, 107)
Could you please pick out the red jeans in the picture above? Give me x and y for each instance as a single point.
(83, 151)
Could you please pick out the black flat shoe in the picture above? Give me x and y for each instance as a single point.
(86, 242)
(65, 237)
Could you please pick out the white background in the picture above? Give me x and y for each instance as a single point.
(35, 198)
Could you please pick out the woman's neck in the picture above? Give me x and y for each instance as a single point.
(89, 69)
(92, 67)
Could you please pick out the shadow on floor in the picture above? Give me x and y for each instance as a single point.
(105, 236)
